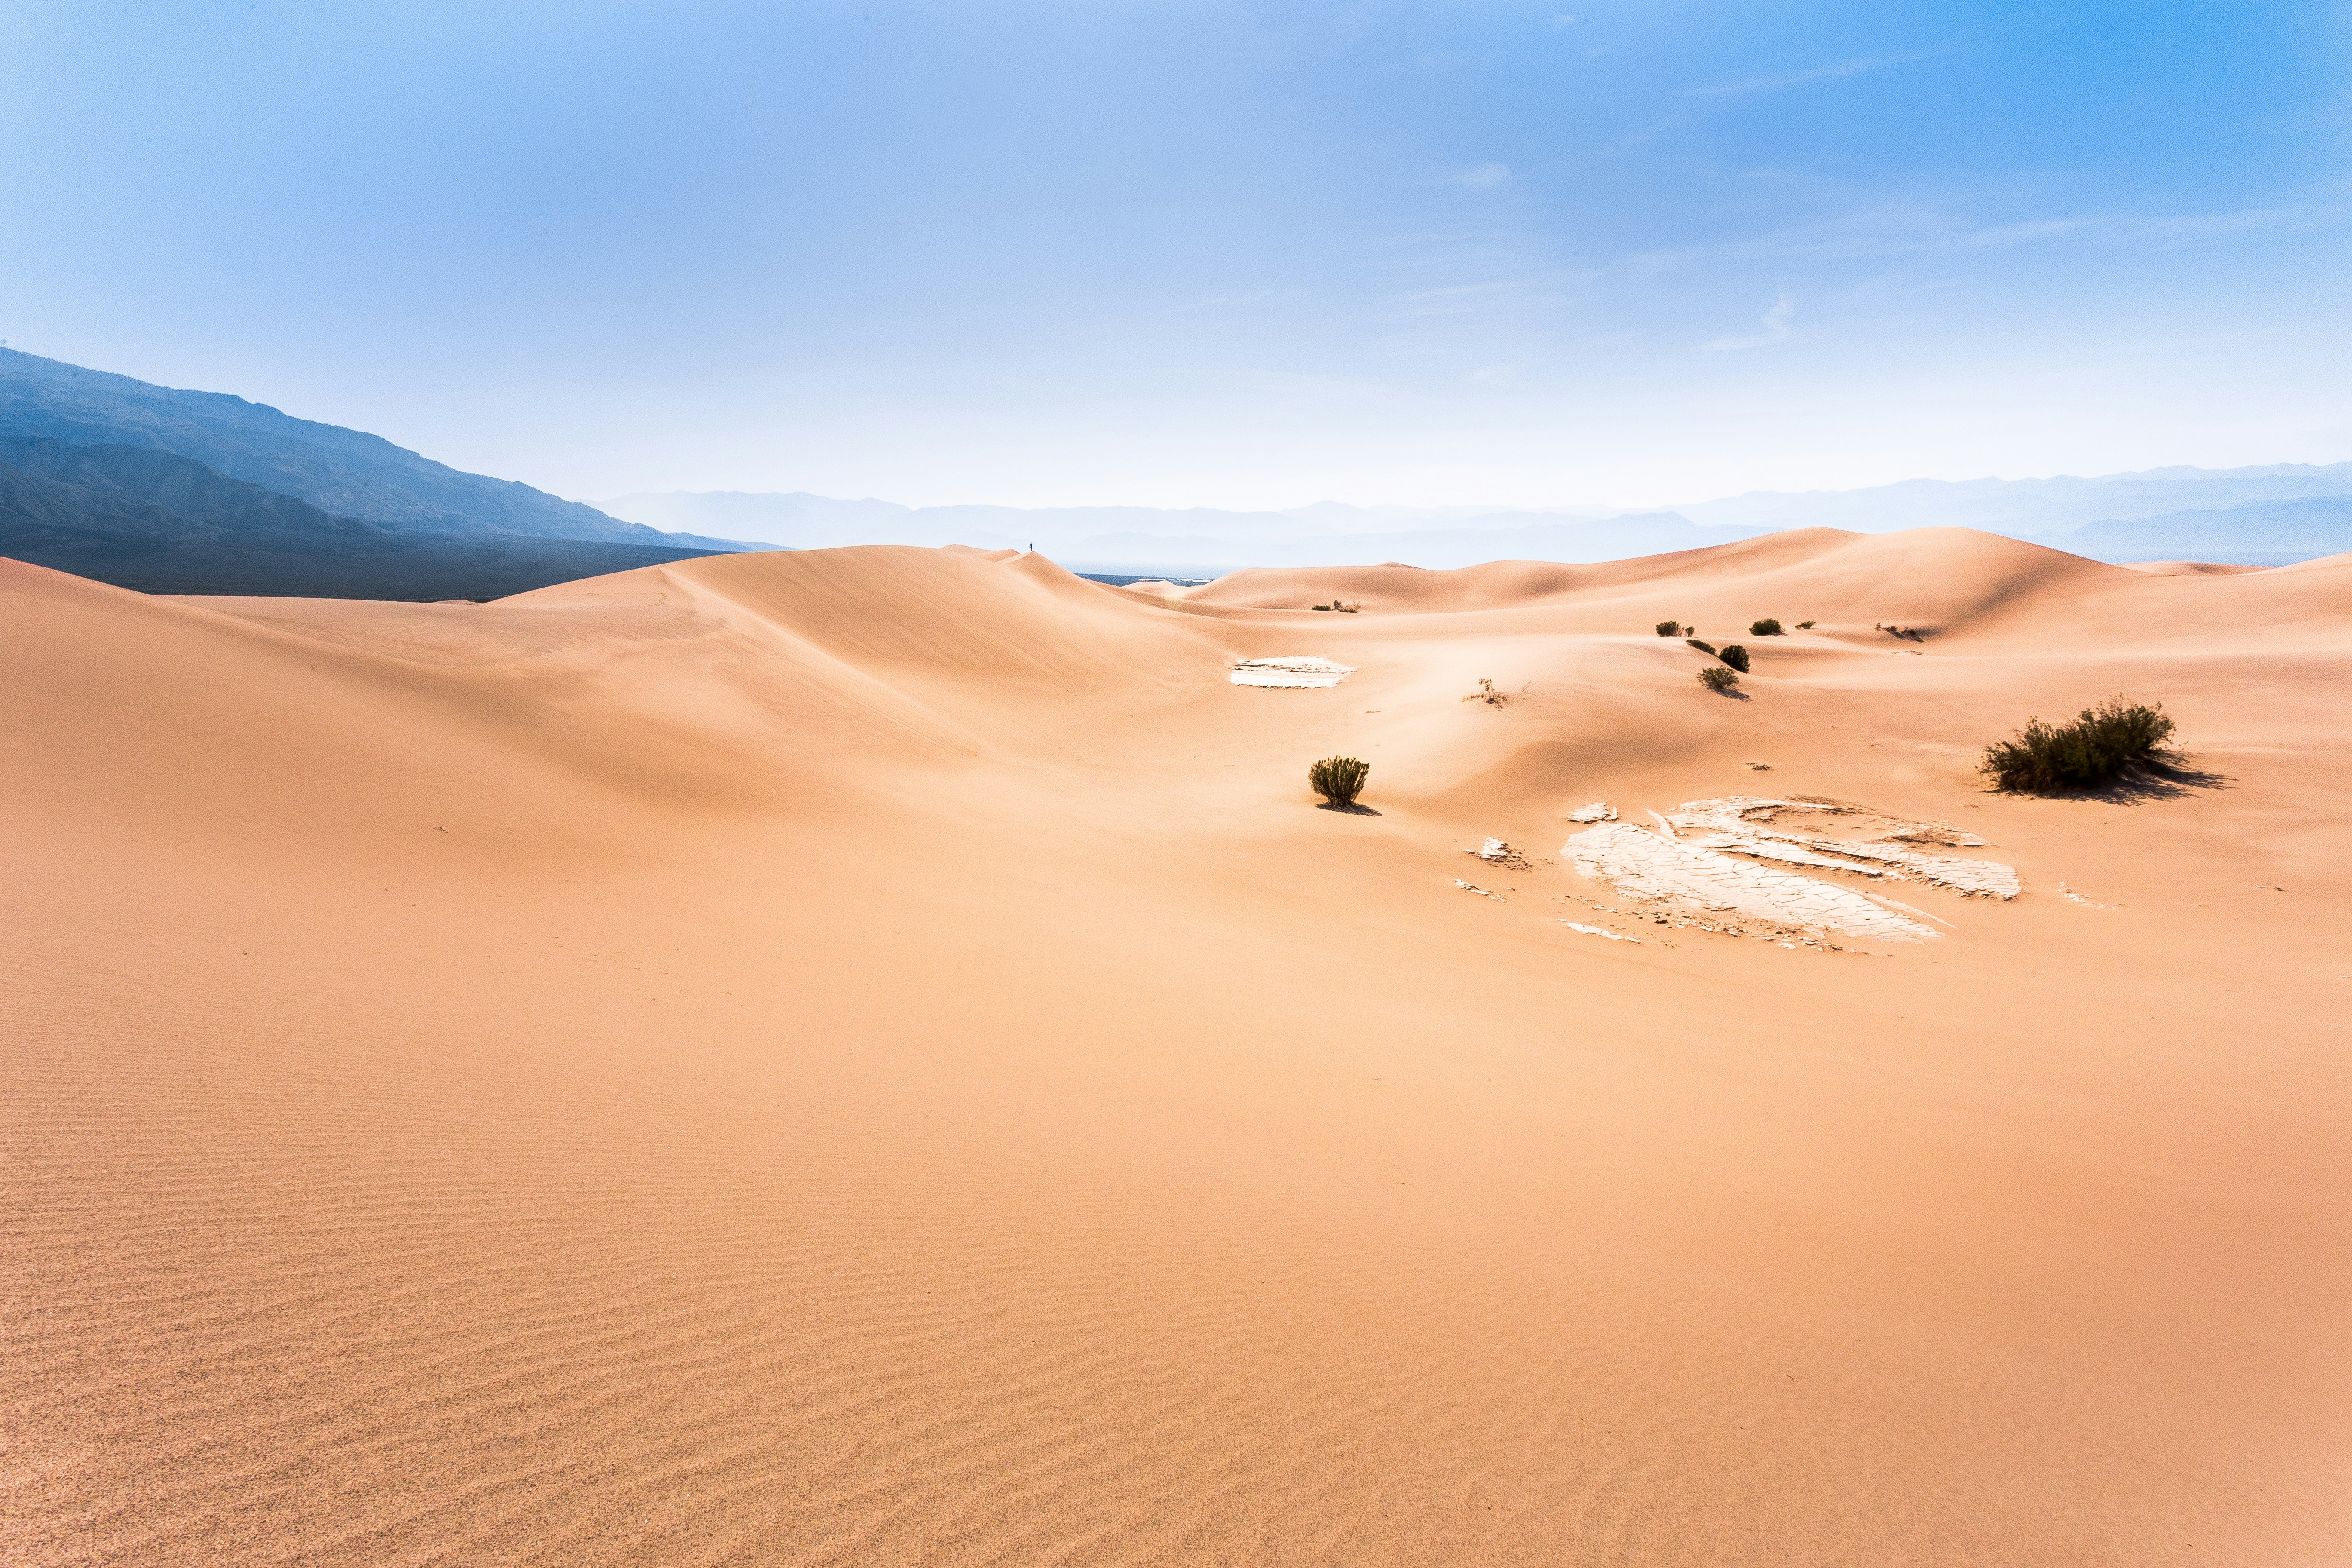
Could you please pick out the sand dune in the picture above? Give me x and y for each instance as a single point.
(875, 1056)
(2193, 569)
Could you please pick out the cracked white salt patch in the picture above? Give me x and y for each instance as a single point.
(1644, 865)
(1596, 930)
(1473, 888)
(1883, 847)
(1599, 811)
(1494, 850)
(1289, 672)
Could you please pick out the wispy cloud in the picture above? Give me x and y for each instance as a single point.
(1919, 228)
(1776, 329)
(1795, 78)
(1865, 236)
(1482, 176)
(1690, 113)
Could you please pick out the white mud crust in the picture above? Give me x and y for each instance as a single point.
(1289, 672)
(1597, 930)
(1599, 811)
(1834, 835)
(1654, 869)
(1703, 858)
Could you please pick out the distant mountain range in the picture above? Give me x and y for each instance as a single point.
(199, 492)
(2027, 508)
(2267, 533)
(2263, 517)
(1124, 539)
(175, 491)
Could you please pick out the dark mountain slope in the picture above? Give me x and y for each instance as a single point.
(347, 473)
(160, 492)
(29, 501)
(161, 523)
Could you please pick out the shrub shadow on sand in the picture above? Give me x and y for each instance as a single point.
(2173, 778)
(1351, 809)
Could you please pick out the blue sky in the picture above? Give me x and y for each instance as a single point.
(1216, 253)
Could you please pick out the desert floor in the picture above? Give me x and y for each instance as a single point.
(877, 1056)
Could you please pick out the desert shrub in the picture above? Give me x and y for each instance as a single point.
(1804, 626)
(1702, 646)
(1488, 695)
(1339, 780)
(1715, 677)
(1669, 629)
(1735, 656)
(1318, 607)
(1764, 629)
(2102, 744)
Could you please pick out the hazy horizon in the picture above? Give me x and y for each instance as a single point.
(1598, 512)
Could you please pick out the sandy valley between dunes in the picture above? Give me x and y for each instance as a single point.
(875, 1056)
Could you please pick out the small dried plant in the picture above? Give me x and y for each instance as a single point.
(1339, 780)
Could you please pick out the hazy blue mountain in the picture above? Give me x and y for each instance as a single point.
(808, 521)
(2037, 509)
(160, 523)
(2275, 533)
(813, 522)
(1191, 539)
(2229, 511)
(798, 520)
(1504, 537)
(1339, 517)
(346, 473)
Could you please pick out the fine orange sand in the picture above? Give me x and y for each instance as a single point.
(875, 1056)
